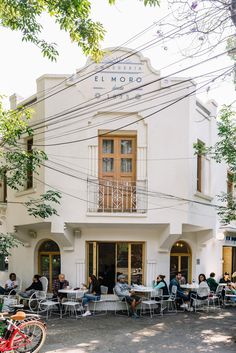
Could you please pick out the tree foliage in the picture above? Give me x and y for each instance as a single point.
(7, 242)
(72, 16)
(224, 151)
(16, 163)
(205, 24)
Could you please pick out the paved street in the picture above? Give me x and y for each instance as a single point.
(191, 332)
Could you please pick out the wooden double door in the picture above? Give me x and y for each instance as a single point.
(117, 173)
(49, 261)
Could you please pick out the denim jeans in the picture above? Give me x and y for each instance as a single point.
(90, 297)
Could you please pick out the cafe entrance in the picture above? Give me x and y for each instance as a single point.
(49, 261)
(181, 260)
(107, 260)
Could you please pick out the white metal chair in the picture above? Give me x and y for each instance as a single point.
(120, 304)
(202, 292)
(101, 302)
(170, 301)
(35, 298)
(72, 306)
(49, 306)
(153, 304)
(214, 301)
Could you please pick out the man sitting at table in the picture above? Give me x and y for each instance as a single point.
(225, 279)
(125, 293)
(180, 293)
(60, 283)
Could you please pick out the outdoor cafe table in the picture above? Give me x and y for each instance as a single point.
(78, 292)
(143, 290)
(191, 286)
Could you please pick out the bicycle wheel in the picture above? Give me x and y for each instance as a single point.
(36, 335)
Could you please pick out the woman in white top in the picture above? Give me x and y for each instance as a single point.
(11, 284)
(203, 289)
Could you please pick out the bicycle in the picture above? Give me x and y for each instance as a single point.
(22, 333)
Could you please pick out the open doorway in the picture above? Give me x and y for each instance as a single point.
(106, 264)
(109, 259)
(181, 260)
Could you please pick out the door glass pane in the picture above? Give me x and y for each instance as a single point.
(90, 259)
(44, 265)
(180, 247)
(107, 146)
(137, 263)
(49, 245)
(56, 266)
(185, 267)
(106, 264)
(173, 266)
(126, 146)
(107, 164)
(122, 259)
(126, 165)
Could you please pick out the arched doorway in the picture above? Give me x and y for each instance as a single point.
(49, 261)
(181, 260)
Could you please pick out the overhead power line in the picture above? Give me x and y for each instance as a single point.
(131, 123)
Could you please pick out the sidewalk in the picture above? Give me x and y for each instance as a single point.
(191, 332)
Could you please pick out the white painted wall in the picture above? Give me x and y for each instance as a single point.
(166, 162)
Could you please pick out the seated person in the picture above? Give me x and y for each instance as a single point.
(180, 293)
(35, 286)
(212, 282)
(93, 294)
(225, 278)
(203, 290)
(11, 284)
(231, 290)
(182, 280)
(124, 292)
(59, 283)
(2, 290)
(161, 284)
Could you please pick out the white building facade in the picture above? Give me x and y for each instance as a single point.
(135, 198)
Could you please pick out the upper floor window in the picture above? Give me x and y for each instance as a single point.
(203, 171)
(117, 173)
(29, 148)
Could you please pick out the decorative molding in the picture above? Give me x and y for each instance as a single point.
(141, 162)
(68, 248)
(93, 160)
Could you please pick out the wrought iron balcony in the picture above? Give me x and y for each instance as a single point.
(117, 196)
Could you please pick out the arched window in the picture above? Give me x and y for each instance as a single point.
(49, 260)
(49, 245)
(181, 260)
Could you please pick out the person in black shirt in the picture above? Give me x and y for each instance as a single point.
(35, 286)
(93, 294)
(225, 279)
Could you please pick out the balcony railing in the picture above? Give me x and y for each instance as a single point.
(117, 196)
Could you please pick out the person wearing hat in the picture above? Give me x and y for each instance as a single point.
(125, 293)
(225, 278)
